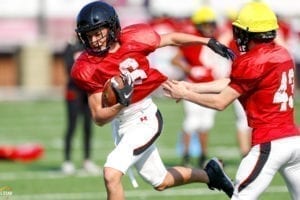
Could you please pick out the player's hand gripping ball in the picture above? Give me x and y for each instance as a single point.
(118, 89)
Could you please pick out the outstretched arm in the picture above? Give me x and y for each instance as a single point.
(215, 86)
(180, 39)
(219, 101)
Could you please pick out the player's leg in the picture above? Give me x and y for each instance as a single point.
(195, 123)
(243, 130)
(203, 128)
(255, 172)
(117, 162)
(291, 170)
(152, 169)
(133, 139)
(186, 135)
(291, 174)
(72, 113)
(113, 185)
(87, 129)
(203, 139)
(243, 138)
(186, 139)
(150, 166)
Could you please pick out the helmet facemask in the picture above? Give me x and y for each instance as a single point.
(242, 38)
(111, 37)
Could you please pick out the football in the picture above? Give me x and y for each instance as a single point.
(109, 97)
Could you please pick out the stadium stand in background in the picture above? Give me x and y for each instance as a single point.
(34, 32)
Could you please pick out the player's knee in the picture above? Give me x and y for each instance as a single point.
(107, 175)
(111, 177)
(164, 185)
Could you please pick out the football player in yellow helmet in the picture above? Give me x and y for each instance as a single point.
(255, 22)
(263, 80)
(205, 21)
(198, 65)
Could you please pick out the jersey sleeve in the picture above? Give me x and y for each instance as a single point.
(141, 34)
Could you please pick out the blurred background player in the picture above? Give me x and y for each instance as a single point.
(163, 23)
(76, 105)
(196, 63)
(162, 57)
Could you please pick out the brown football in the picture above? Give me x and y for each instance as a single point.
(109, 97)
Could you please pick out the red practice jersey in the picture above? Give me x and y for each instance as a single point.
(264, 77)
(195, 56)
(137, 42)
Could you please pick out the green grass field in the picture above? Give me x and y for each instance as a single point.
(44, 122)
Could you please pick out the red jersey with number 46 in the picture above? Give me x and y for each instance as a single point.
(264, 77)
(137, 42)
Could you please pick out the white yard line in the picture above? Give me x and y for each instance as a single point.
(30, 175)
(55, 174)
(220, 151)
(133, 194)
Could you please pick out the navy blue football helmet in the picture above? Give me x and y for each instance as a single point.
(97, 15)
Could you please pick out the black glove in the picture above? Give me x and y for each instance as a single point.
(221, 49)
(124, 95)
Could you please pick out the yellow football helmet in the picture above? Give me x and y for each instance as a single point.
(256, 17)
(203, 15)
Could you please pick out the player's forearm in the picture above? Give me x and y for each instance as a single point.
(181, 90)
(102, 116)
(218, 101)
(208, 100)
(215, 86)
